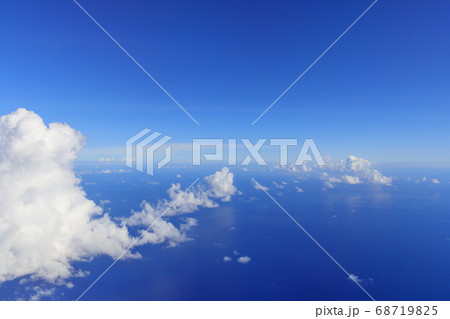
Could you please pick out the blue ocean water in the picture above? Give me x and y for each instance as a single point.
(396, 239)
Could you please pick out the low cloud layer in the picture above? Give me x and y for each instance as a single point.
(218, 186)
(353, 170)
(46, 220)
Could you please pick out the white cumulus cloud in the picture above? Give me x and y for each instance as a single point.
(244, 259)
(353, 170)
(221, 184)
(46, 220)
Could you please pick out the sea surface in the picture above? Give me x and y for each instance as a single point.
(395, 239)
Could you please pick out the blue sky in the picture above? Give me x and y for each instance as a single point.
(380, 93)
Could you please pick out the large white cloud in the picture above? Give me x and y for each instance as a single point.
(46, 220)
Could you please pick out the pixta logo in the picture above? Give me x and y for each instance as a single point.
(141, 150)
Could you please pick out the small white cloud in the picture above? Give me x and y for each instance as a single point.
(355, 278)
(38, 293)
(221, 184)
(353, 171)
(359, 280)
(278, 185)
(103, 202)
(435, 181)
(244, 259)
(178, 176)
(259, 187)
(298, 189)
(235, 253)
(227, 259)
(327, 184)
